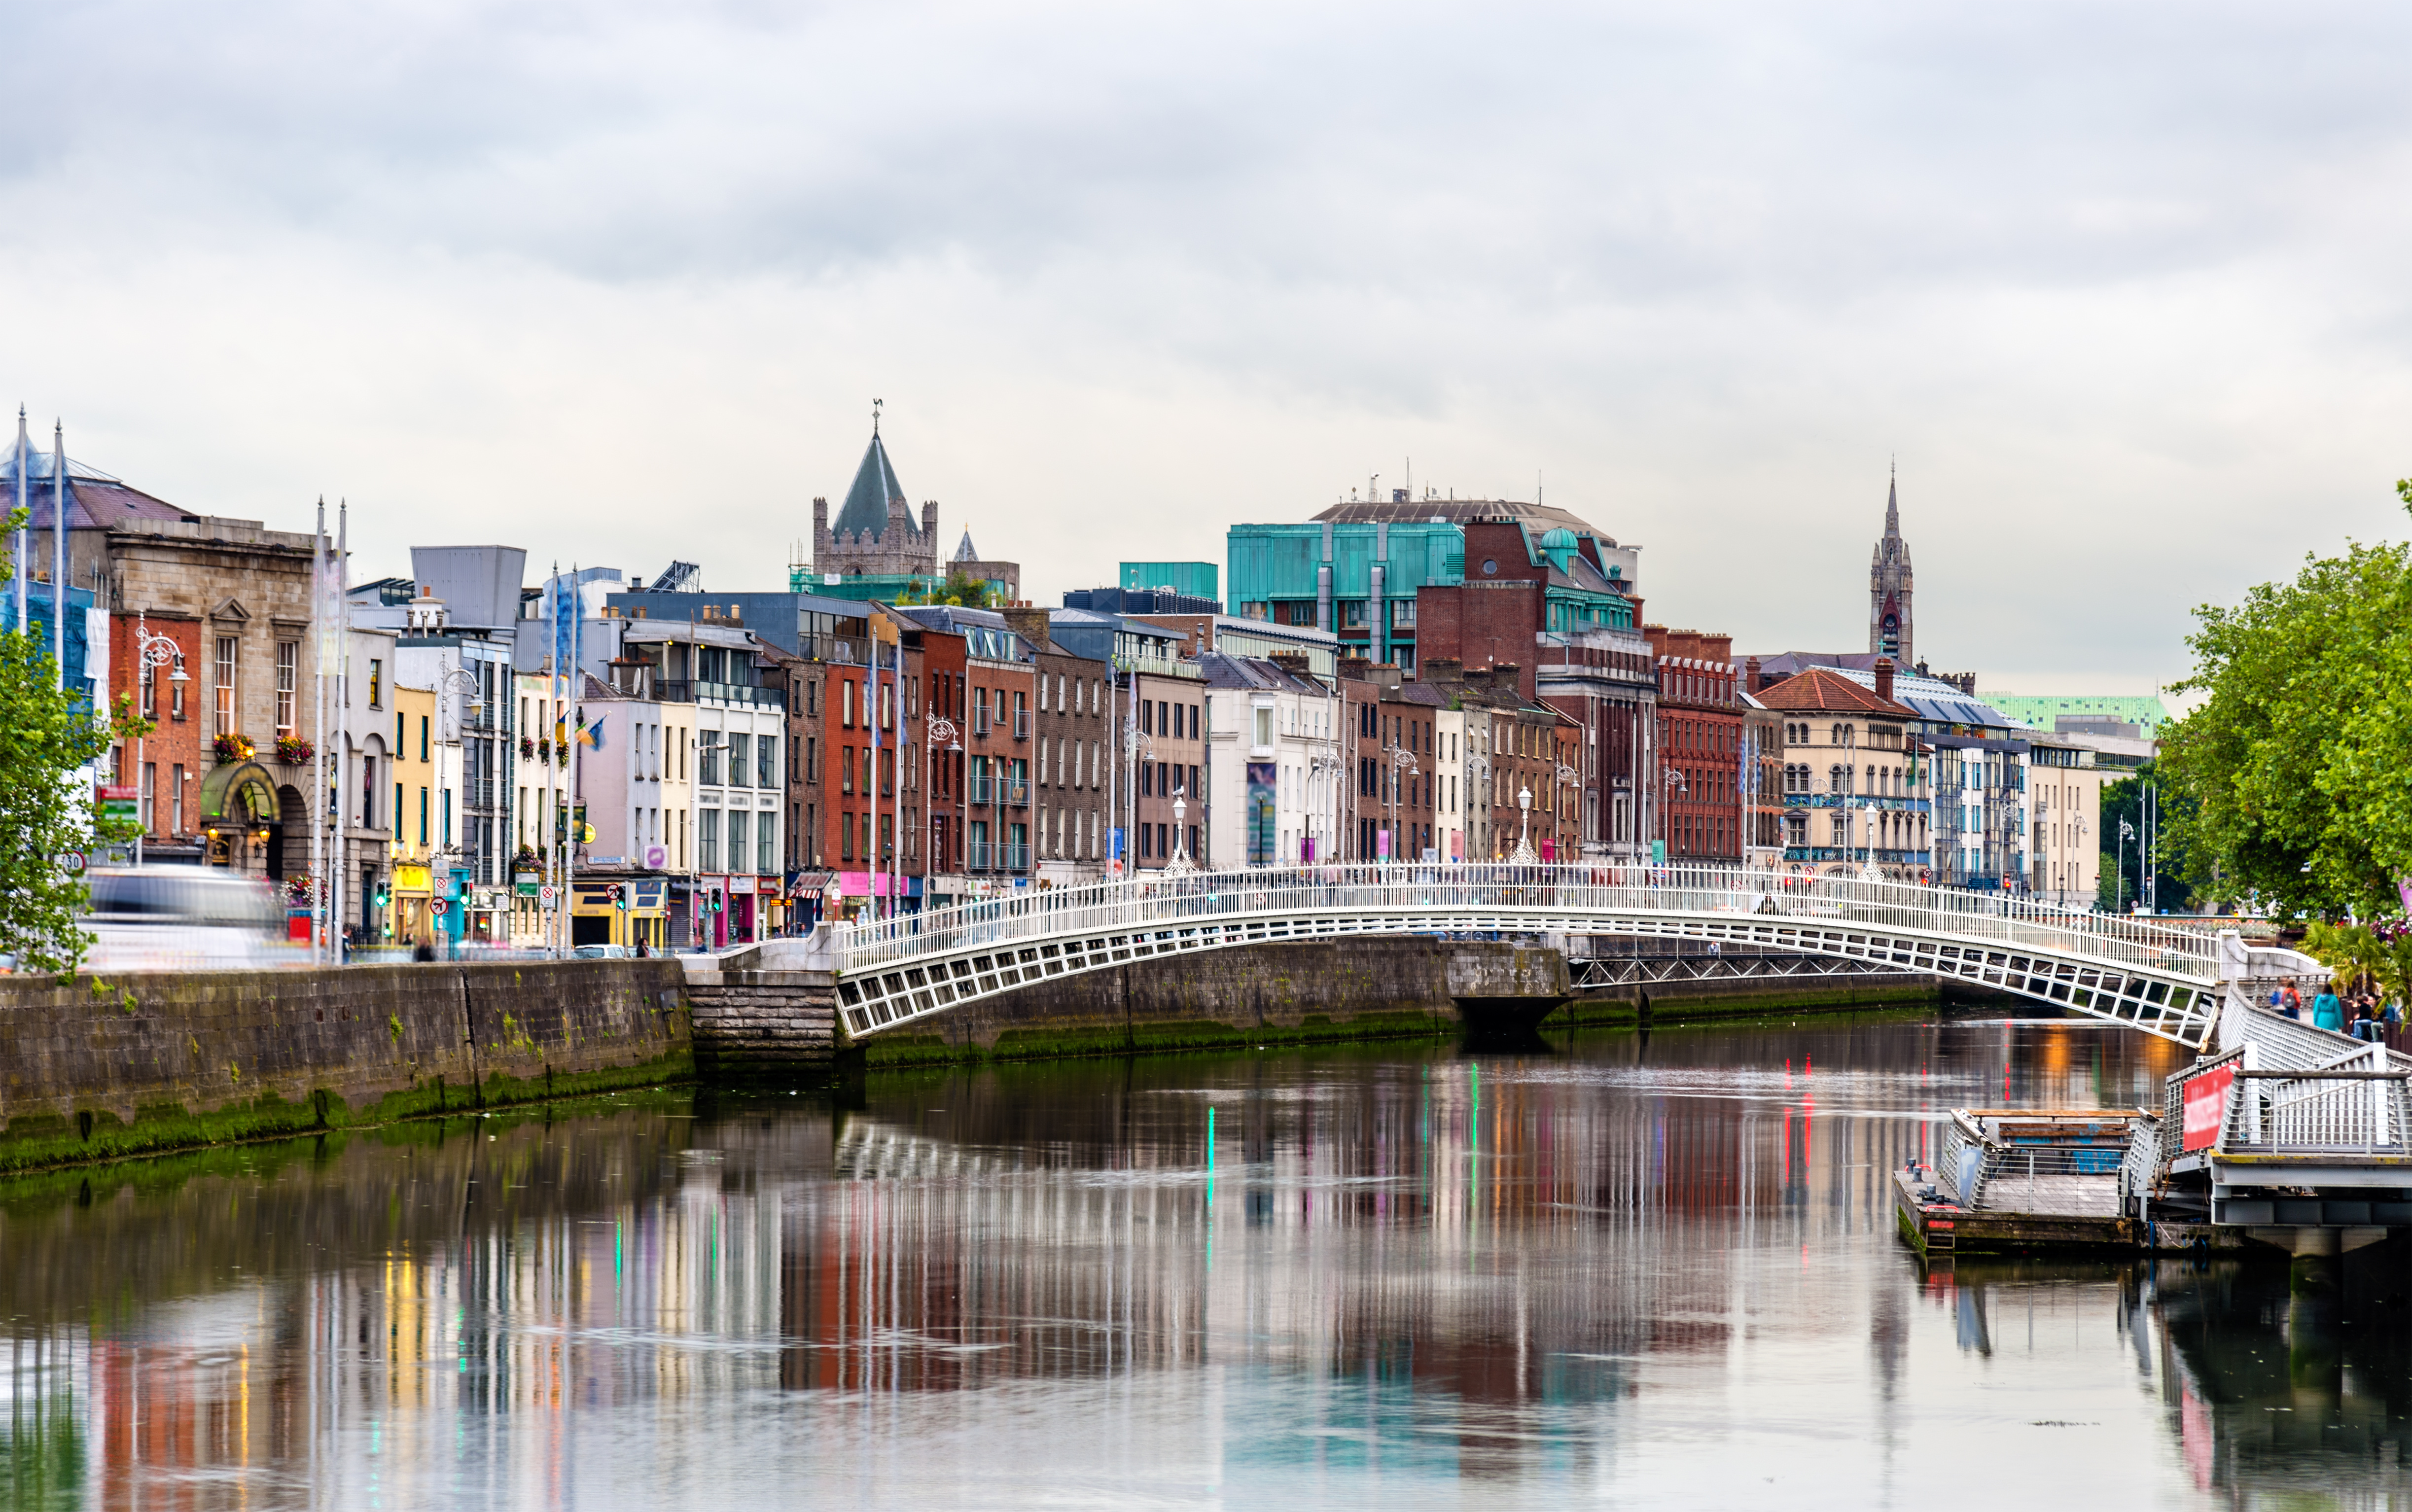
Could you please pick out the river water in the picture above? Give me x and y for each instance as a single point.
(1631, 1269)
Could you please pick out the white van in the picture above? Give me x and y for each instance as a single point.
(183, 918)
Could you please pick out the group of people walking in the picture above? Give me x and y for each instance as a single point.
(2340, 1008)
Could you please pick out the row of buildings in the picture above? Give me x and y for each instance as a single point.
(591, 757)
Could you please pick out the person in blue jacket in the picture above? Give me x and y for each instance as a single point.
(2326, 1012)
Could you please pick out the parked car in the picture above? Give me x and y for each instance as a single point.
(603, 952)
(183, 918)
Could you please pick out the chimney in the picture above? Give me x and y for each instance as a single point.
(1884, 678)
(1292, 662)
(1751, 680)
(1030, 625)
(1355, 668)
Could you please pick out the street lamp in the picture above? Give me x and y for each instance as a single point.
(1673, 779)
(1402, 761)
(1180, 865)
(2119, 887)
(151, 650)
(1325, 767)
(1522, 855)
(1568, 777)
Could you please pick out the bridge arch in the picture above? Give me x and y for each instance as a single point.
(2129, 971)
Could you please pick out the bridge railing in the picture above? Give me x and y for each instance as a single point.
(1427, 896)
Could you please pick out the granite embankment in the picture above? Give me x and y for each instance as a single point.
(94, 1068)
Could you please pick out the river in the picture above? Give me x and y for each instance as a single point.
(1637, 1269)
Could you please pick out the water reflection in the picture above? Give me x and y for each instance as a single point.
(1658, 1268)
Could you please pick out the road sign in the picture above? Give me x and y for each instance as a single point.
(544, 896)
(436, 907)
(71, 860)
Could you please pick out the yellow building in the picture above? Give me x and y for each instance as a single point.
(2064, 818)
(420, 815)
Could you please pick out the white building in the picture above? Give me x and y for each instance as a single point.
(1275, 772)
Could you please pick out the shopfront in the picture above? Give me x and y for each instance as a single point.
(854, 892)
(624, 911)
(414, 887)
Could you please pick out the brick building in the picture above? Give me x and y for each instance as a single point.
(1067, 746)
(234, 597)
(1699, 746)
(1169, 761)
(1548, 610)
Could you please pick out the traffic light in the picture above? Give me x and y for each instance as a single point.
(621, 896)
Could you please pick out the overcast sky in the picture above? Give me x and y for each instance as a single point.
(2123, 286)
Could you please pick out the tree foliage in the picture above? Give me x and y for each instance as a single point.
(46, 734)
(2122, 885)
(2299, 762)
(960, 589)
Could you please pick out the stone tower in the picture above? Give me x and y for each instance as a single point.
(875, 532)
(1889, 590)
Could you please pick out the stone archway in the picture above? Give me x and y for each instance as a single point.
(240, 817)
(292, 833)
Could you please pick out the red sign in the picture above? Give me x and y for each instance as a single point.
(2206, 1099)
(120, 792)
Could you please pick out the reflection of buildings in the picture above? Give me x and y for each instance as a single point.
(1435, 1268)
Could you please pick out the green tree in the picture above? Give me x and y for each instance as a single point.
(2298, 765)
(960, 589)
(46, 733)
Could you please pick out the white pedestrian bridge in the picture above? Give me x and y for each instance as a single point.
(2133, 971)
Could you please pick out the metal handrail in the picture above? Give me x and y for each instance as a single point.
(1423, 890)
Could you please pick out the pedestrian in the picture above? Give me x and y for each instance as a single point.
(2293, 1004)
(2328, 1011)
(422, 951)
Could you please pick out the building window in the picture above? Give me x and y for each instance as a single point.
(175, 790)
(766, 846)
(740, 760)
(738, 839)
(376, 682)
(225, 679)
(765, 760)
(708, 763)
(422, 819)
(288, 678)
(424, 722)
(707, 839)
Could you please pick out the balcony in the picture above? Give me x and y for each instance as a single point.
(979, 855)
(979, 719)
(983, 788)
(1015, 792)
(1012, 858)
(1020, 716)
(740, 693)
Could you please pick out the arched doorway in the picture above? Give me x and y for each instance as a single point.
(241, 818)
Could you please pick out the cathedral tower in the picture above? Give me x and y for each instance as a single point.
(1889, 589)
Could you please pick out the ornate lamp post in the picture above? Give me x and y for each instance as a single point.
(1568, 778)
(1402, 761)
(1522, 855)
(1180, 864)
(943, 737)
(152, 651)
(1674, 779)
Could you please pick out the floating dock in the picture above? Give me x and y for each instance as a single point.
(2017, 1181)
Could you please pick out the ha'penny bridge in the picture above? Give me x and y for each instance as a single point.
(2132, 971)
(2295, 1135)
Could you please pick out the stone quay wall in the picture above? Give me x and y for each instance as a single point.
(92, 1069)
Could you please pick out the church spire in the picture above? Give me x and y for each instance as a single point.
(1889, 585)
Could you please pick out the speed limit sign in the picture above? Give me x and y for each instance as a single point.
(544, 896)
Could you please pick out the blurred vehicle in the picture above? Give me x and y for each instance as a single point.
(185, 918)
(594, 953)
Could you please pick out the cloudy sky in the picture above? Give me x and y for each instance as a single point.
(2122, 286)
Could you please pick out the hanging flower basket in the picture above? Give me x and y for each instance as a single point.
(294, 750)
(233, 748)
(527, 748)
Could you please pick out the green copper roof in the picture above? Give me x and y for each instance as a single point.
(866, 503)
